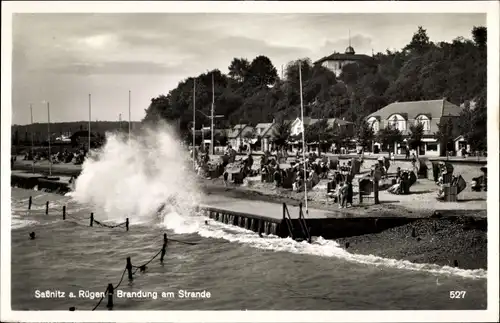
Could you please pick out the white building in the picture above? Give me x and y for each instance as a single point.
(401, 115)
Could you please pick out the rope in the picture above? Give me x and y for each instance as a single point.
(144, 265)
(107, 225)
(115, 287)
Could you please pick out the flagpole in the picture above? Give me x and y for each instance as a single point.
(48, 130)
(32, 148)
(90, 116)
(194, 122)
(303, 135)
(129, 114)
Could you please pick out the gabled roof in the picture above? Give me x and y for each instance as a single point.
(237, 129)
(265, 128)
(431, 108)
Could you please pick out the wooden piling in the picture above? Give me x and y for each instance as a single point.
(129, 268)
(64, 212)
(30, 202)
(110, 291)
(360, 197)
(47, 208)
(92, 219)
(164, 248)
(126, 223)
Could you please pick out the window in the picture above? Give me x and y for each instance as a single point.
(425, 121)
(394, 123)
(432, 147)
(374, 124)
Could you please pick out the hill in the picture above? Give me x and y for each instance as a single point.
(252, 92)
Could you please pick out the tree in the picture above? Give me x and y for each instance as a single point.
(446, 134)
(221, 137)
(389, 136)
(262, 72)
(364, 133)
(281, 134)
(479, 35)
(416, 135)
(472, 124)
(253, 93)
(238, 69)
(419, 42)
(321, 132)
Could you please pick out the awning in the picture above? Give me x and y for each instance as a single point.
(429, 140)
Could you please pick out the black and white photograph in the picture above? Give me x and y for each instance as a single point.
(250, 158)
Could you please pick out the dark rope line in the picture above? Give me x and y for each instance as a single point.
(107, 225)
(139, 267)
(102, 297)
(115, 287)
(121, 279)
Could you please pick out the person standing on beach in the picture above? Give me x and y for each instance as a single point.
(376, 178)
(350, 193)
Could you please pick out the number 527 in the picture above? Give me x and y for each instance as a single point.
(457, 294)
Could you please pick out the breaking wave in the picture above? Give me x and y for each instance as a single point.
(182, 224)
(135, 178)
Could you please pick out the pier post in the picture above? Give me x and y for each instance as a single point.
(126, 224)
(360, 197)
(129, 268)
(47, 208)
(163, 249)
(92, 219)
(29, 203)
(64, 212)
(110, 291)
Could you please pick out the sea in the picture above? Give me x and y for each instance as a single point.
(207, 265)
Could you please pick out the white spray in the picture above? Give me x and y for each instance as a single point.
(135, 178)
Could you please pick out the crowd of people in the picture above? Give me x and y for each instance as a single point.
(66, 156)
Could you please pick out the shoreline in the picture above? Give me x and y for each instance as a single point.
(456, 235)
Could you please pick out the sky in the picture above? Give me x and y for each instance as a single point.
(62, 58)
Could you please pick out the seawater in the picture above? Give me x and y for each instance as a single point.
(235, 267)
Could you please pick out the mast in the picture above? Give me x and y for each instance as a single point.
(90, 116)
(32, 145)
(194, 122)
(303, 135)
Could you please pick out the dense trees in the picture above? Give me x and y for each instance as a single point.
(252, 92)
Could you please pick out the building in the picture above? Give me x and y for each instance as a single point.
(297, 127)
(403, 114)
(239, 134)
(264, 131)
(336, 61)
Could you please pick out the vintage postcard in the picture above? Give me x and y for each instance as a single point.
(250, 161)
